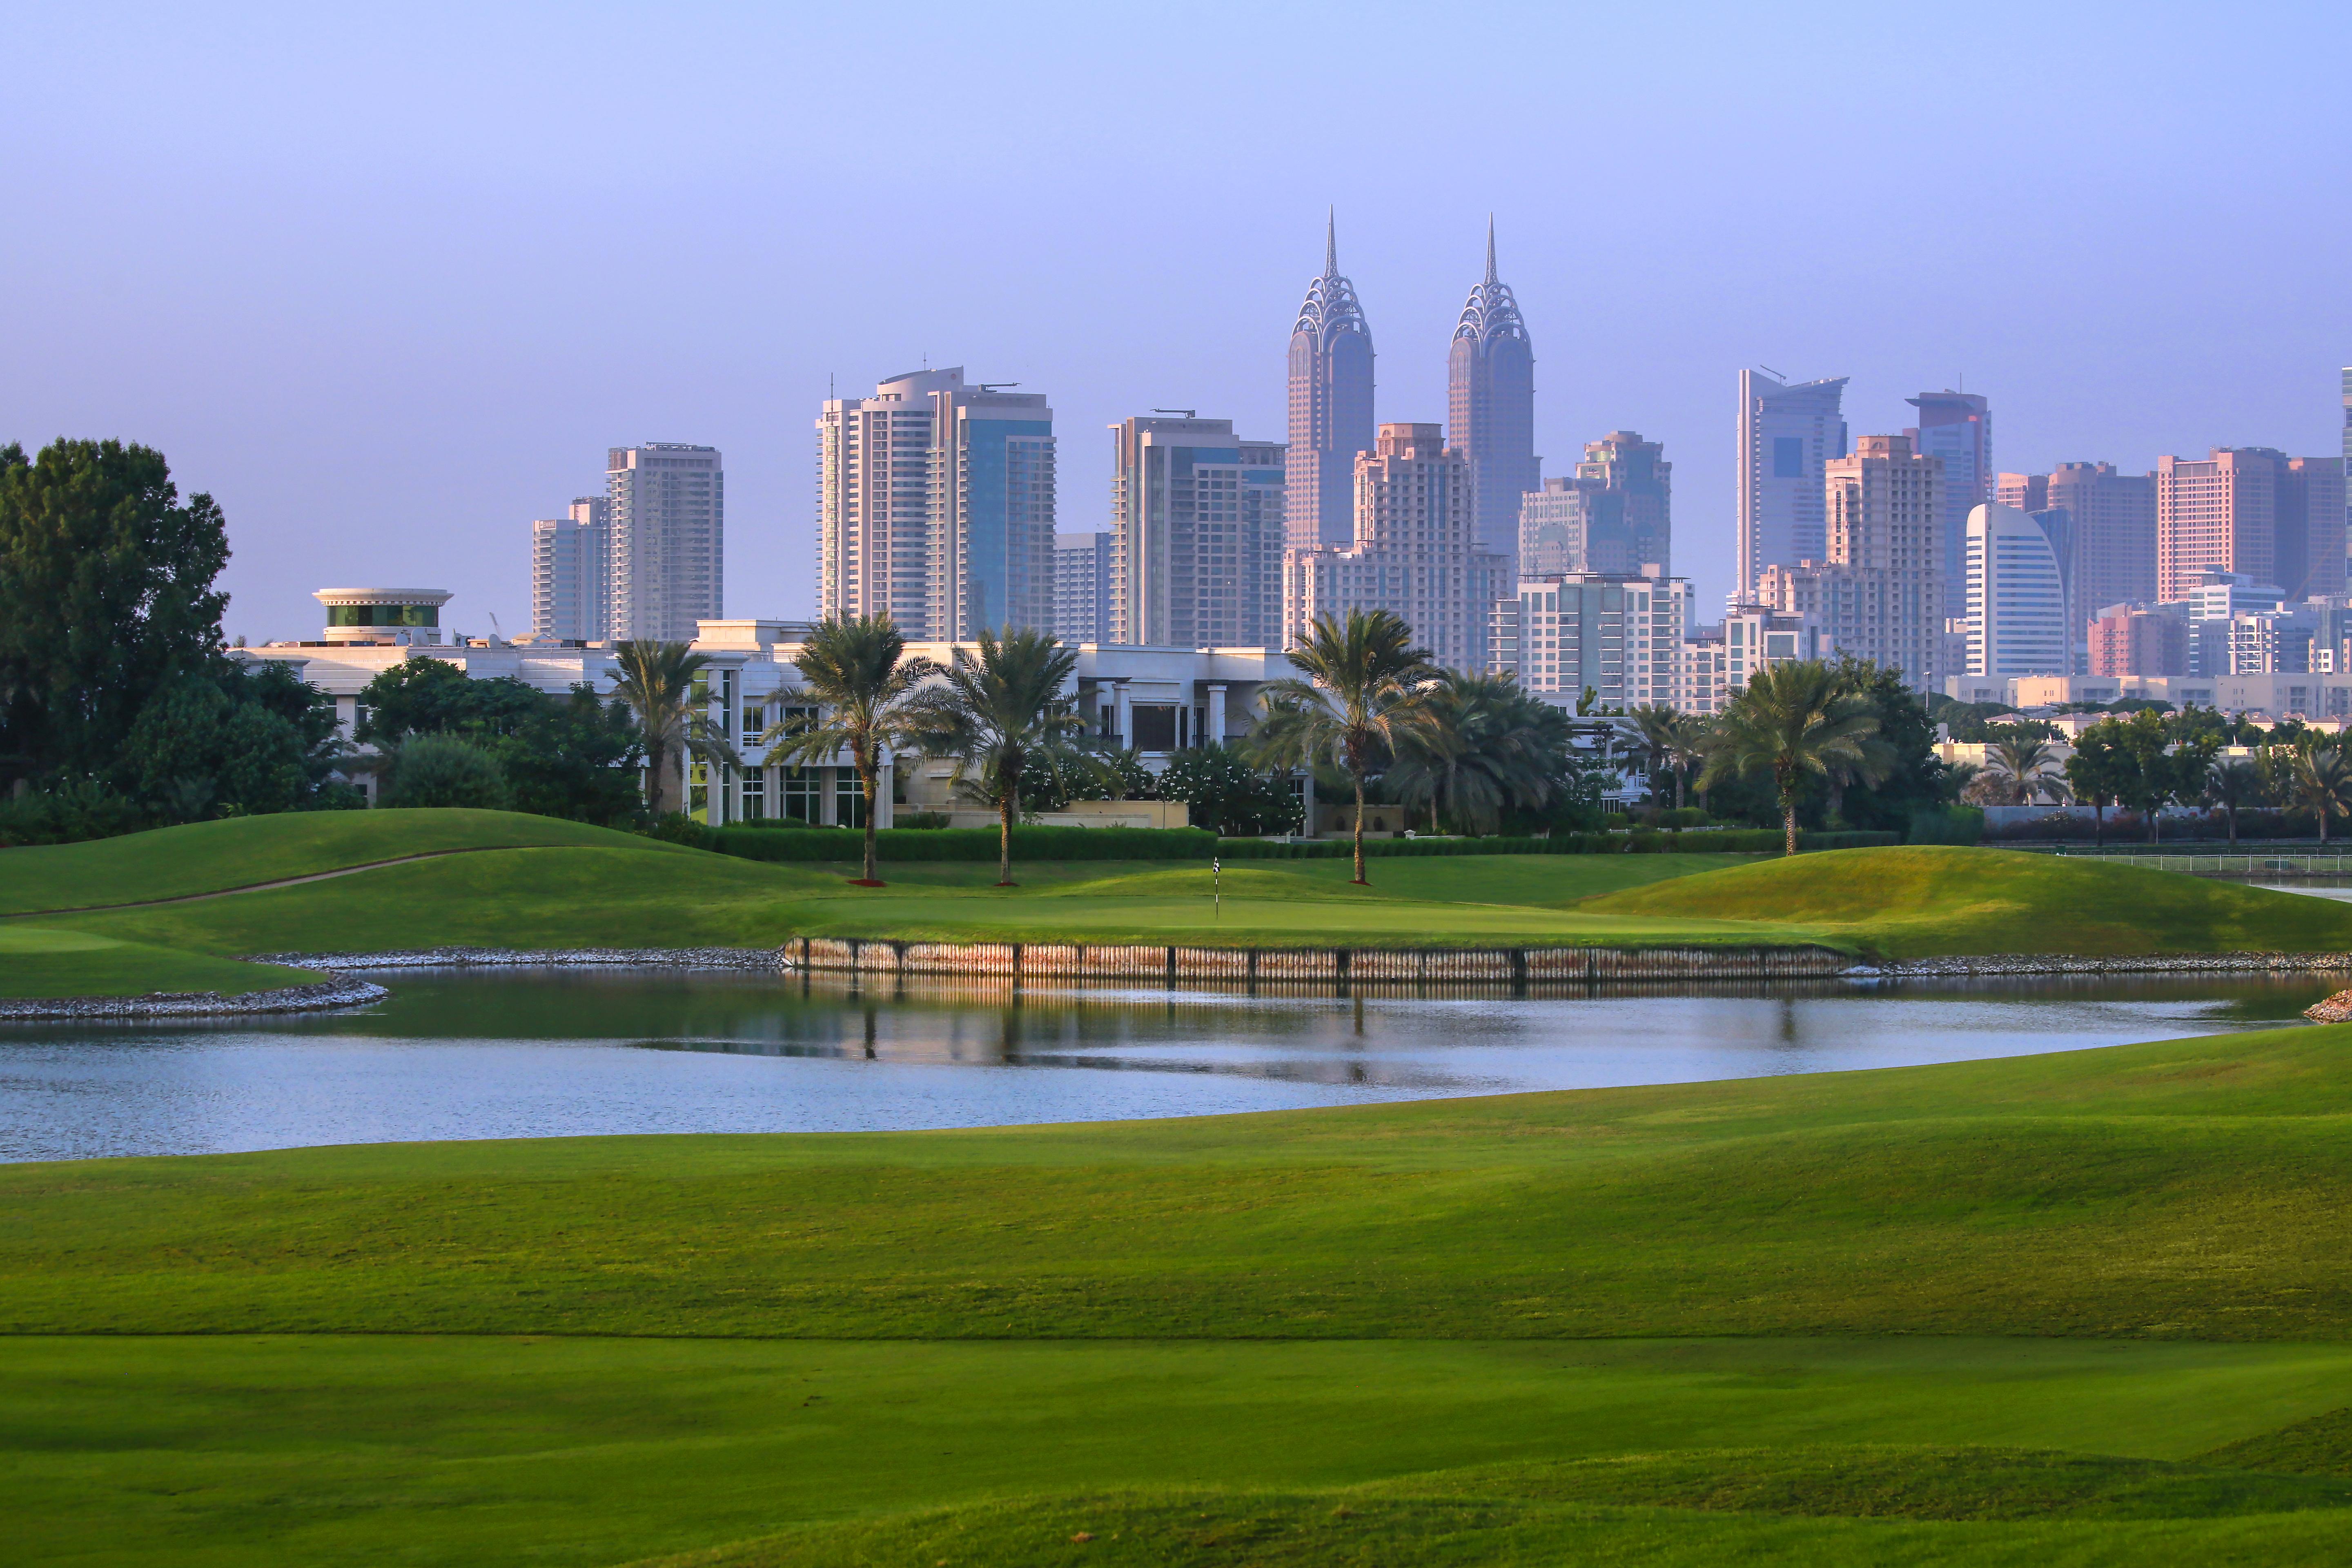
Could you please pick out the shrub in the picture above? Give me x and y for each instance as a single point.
(922, 821)
(443, 770)
(1743, 841)
(68, 812)
(970, 844)
(677, 828)
(1946, 825)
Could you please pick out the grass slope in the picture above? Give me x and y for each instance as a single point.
(2195, 1188)
(208, 857)
(1922, 901)
(226, 1451)
(36, 963)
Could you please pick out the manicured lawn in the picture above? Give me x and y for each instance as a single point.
(207, 856)
(225, 1450)
(2196, 1188)
(35, 962)
(1920, 901)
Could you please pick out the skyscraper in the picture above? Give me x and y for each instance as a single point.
(2218, 513)
(2309, 554)
(1958, 428)
(1614, 517)
(1787, 437)
(1331, 406)
(667, 505)
(1082, 587)
(935, 505)
(1491, 407)
(1197, 521)
(1413, 553)
(1880, 593)
(2020, 613)
(572, 572)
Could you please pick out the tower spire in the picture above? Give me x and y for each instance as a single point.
(1331, 242)
(1491, 279)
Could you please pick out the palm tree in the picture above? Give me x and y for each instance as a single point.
(2234, 784)
(1794, 718)
(857, 670)
(2021, 757)
(655, 681)
(2322, 780)
(1656, 723)
(994, 713)
(1367, 690)
(1688, 750)
(1488, 745)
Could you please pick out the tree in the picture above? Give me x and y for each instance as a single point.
(2234, 784)
(1794, 720)
(106, 595)
(1221, 792)
(857, 670)
(2322, 781)
(1366, 689)
(2151, 767)
(1905, 776)
(2020, 760)
(574, 756)
(2096, 771)
(443, 770)
(1656, 724)
(1487, 747)
(427, 696)
(994, 711)
(1686, 748)
(225, 737)
(657, 683)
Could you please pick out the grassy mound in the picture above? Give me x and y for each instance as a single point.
(208, 857)
(2198, 1187)
(1813, 1505)
(1922, 901)
(36, 963)
(2321, 1445)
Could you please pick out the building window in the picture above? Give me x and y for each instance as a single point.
(800, 792)
(849, 797)
(755, 795)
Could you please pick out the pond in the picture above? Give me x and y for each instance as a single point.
(545, 1053)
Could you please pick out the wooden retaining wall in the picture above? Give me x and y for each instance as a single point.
(1171, 963)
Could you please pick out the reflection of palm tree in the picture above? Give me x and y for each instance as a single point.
(1793, 718)
(1367, 688)
(656, 682)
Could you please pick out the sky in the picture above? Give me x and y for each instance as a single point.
(387, 282)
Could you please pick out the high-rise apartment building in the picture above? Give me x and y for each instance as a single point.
(1788, 435)
(1880, 593)
(1491, 408)
(1958, 428)
(2111, 526)
(1413, 553)
(935, 506)
(2309, 555)
(2139, 639)
(1614, 517)
(2021, 610)
(1082, 587)
(1330, 407)
(571, 574)
(1620, 636)
(667, 503)
(2218, 513)
(1196, 535)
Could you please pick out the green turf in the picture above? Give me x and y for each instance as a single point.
(37, 962)
(207, 857)
(231, 1449)
(1925, 899)
(2196, 1188)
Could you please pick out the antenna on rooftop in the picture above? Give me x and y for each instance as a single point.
(997, 386)
(1187, 413)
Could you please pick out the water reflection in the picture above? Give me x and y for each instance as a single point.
(547, 1053)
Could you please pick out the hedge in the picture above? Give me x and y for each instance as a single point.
(1641, 841)
(841, 845)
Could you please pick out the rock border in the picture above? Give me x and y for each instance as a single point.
(2122, 963)
(340, 992)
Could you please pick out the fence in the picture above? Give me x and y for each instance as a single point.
(2258, 863)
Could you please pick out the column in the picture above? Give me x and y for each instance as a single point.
(1125, 715)
(885, 787)
(1216, 735)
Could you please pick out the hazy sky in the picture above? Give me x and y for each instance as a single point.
(387, 284)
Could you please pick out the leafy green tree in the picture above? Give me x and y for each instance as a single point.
(655, 681)
(994, 711)
(574, 756)
(218, 739)
(426, 696)
(2097, 773)
(857, 670)
(1900, 769)
(1366, 689)
(443, 770)
(1794, 719)
(106, 595)
(1223, 793)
